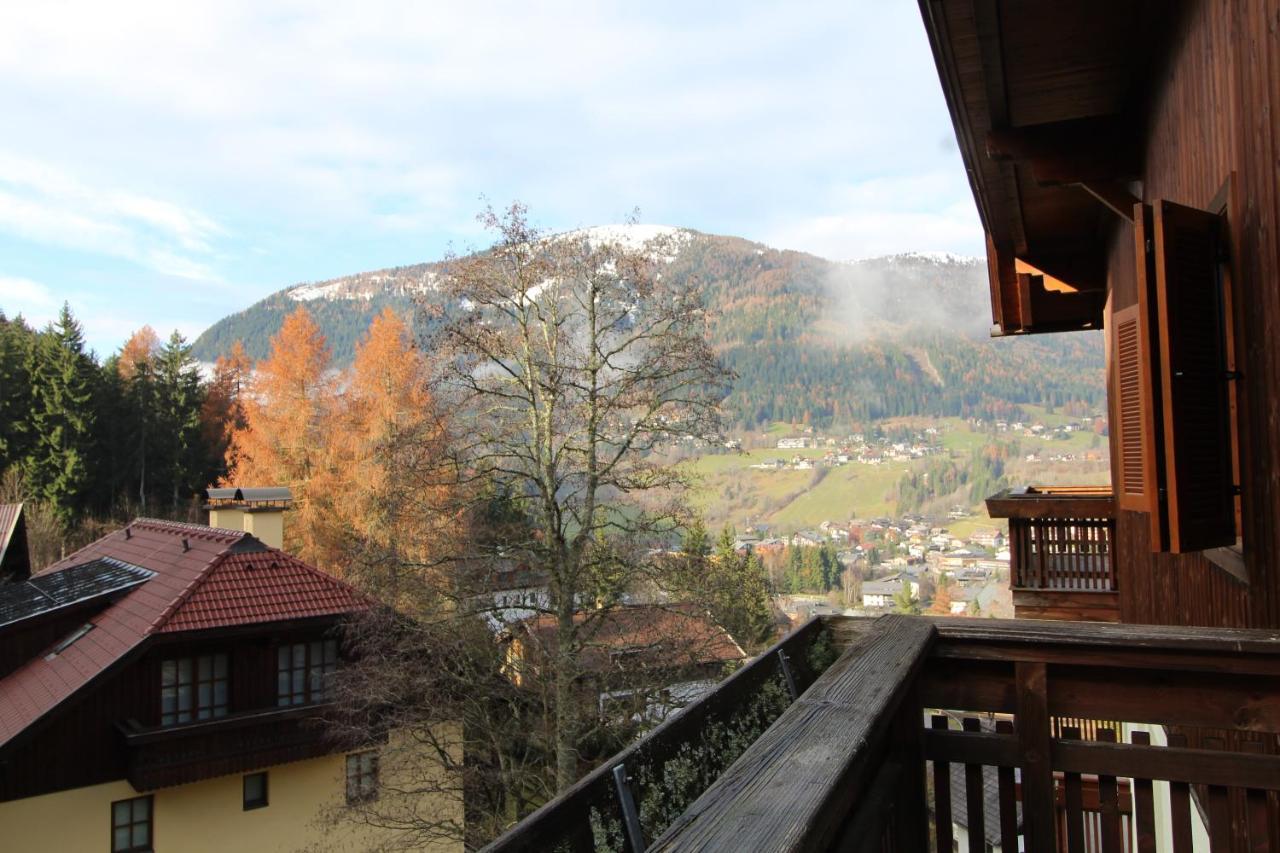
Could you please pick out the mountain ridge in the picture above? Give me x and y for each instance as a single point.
(810, 338)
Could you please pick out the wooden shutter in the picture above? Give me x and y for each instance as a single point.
(1198, 442)
(1137, 482)
(1136, 394)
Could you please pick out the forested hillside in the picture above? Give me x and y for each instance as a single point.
(811, 340)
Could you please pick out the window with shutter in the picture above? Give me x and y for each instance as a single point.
(1195, 395)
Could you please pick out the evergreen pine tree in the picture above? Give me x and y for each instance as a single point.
(60, 464)
(17, 350)
(179, 398)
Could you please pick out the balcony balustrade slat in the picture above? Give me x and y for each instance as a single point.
(1109, 795)
(1144, 803)
(1179, 804)
(941, 791)
(1008, 797)
(973, 792)
(1074, 796)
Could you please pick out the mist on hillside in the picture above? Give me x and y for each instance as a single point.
(886, 297)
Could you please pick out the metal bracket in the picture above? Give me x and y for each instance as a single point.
(785, 665)
(630, 815)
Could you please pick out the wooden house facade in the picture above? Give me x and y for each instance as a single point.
(1124, 156)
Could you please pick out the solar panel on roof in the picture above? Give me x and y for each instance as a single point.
(98, 578)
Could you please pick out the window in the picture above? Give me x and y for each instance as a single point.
(303, 670)
(1175, 358)
(131, 826)
(362, 777)
(193, 689)
(255, 791)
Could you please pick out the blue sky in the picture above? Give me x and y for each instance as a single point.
(168, 163)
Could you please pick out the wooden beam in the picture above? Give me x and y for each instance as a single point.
(1032, 726)
(1003, 277)
(1172, 764)
(1114, 196)
(1086, 150)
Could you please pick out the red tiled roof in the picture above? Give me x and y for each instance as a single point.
(205, 577)
(651, 635)
(263, 586)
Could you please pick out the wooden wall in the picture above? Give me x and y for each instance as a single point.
(1214, 116)
(81, 745)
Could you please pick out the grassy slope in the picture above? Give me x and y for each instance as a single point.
(731, 491)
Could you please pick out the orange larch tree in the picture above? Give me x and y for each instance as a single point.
(222, 414)
(138, 353)
(285, 440)
(389, 464)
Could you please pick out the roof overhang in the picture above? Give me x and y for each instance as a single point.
(1047, 99)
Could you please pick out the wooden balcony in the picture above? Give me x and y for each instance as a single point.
(1061, 557)
(175, 755)
(921, 719)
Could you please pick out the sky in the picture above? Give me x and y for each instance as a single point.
(169, 163)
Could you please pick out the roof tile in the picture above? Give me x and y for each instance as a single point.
(200, 582)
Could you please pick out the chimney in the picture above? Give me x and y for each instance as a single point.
(258, 512)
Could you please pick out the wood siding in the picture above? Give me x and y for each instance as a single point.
(1213, 119)
(82, 744)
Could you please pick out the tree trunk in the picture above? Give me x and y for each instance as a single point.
(566, 722)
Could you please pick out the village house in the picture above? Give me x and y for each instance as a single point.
(160, 690)
(639, 661)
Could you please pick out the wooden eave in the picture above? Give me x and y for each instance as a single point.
(1046, 99)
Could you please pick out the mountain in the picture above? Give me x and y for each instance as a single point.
(812, 340)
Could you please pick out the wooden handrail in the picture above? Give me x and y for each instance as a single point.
(819, 758)
(1053, 502)
(849, 755)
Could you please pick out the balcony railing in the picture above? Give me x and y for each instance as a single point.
(174, 755)
(1061, 553)
(864, 759)
(661, 774)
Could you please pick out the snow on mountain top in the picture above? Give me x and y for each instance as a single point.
(917, 257)
(637, 236)
(634, 235)
(364, 286)
(308, 292)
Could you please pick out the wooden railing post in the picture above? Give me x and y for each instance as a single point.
(911, 813)
(1032, 712)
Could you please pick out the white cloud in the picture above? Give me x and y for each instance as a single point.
(889, 215)
(31, 299)
(41, 203)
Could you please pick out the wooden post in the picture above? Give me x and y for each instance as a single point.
(1032, 710)
(942, 793)
(911, 813)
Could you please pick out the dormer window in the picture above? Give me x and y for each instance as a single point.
(303, 671)
(193, 688)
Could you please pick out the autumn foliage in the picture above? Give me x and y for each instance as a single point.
(360, 449)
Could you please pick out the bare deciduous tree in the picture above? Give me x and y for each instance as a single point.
(574, 360)
(565, 365)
